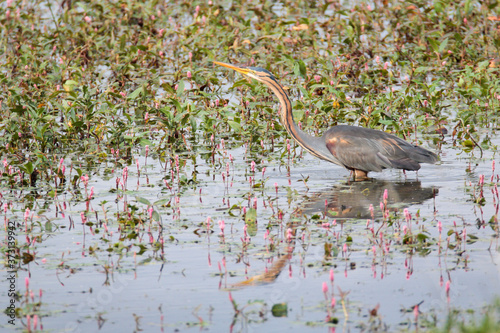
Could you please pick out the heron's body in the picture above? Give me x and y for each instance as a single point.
(358, 149)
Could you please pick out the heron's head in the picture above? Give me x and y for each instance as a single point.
(257, 73)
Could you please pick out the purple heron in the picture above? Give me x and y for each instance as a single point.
(360, 150)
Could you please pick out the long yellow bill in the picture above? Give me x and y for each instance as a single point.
(233, 67)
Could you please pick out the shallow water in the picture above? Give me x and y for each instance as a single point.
(86, 288)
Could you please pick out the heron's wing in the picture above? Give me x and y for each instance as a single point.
(370, 150)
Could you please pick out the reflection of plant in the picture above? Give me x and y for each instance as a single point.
(250, 313)
(460, 321)
(29, 308)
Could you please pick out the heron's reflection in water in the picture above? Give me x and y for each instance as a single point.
(353, 199)
(348, 201)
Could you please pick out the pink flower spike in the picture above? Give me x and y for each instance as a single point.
(447, 288)
(325, 288)
(331, 275)
(407, 215)
(266, 234)
(125, 174)
(85, 179)
(27, 282)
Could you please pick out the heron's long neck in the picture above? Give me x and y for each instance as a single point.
(314, 145)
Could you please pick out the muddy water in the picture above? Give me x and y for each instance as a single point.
(85, 287)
